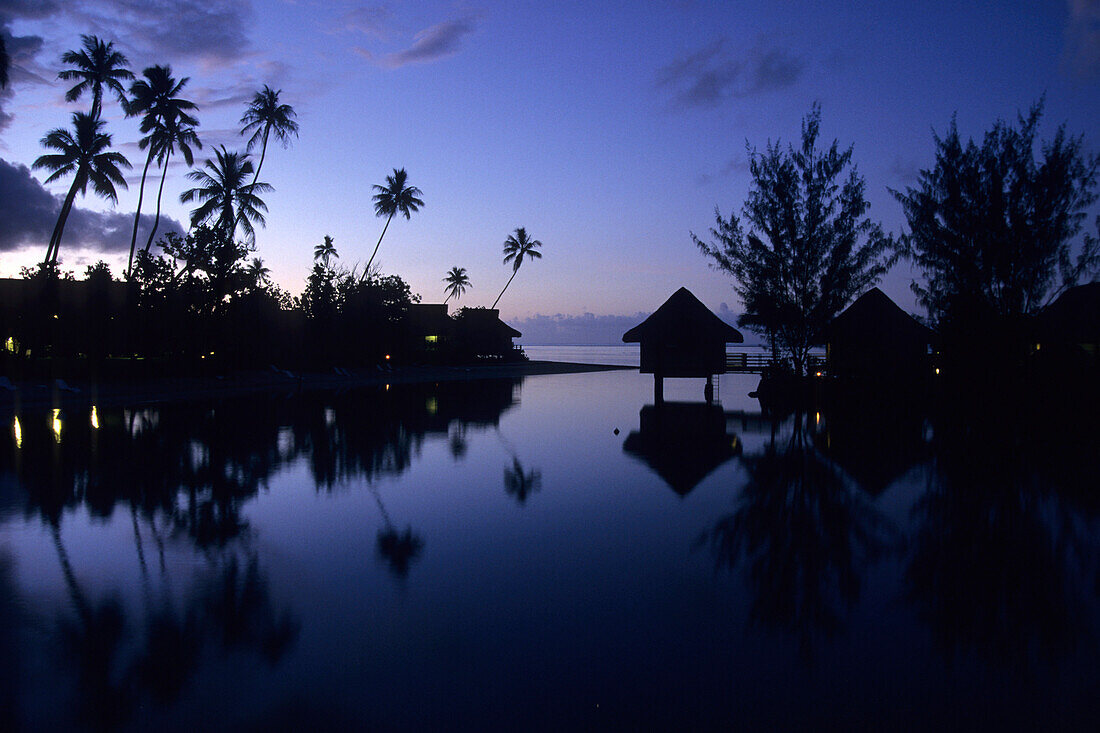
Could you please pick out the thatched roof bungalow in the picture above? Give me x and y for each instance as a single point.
(875, 339)
(683, 338)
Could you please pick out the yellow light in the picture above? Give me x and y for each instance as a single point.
(387, 357)
(819, 374)
(56, 316)
(95, 418)
(431, 339)
(937, 370)
(817, 418)
(387, 388)
(432, 405)
(10, 345)
(55, 424)
(18, 429)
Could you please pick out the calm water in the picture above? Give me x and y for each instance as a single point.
(492, 555)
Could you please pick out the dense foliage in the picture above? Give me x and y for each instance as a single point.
(809, 247)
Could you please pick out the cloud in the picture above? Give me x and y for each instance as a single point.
(29, 213)
(1083, 38)
(712, 75)
(22, 52)
(431, 44)
(906, 171)
(371, 21)
(739, 164)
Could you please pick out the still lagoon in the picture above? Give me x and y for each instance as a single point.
(546, 553)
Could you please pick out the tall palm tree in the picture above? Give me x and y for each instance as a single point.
(85, 153)
(265, 117)
(223, 192)
(516, 247)
(395, 196)
(171, 133)
(97, 67)
(325, 250)
(457, 283)
(155, 98)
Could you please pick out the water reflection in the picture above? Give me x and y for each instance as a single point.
(682, 442)
(803, 534)
(1004, 558)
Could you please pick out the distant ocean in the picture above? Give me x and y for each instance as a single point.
(616, 354)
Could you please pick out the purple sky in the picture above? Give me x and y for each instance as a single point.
(609, 130)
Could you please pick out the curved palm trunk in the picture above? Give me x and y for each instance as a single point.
(160, 192)
(137, 214)
(366, 269)
(59, 228)
(256, 177)
(494, 305)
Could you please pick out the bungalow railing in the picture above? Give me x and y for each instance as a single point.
(755, 362)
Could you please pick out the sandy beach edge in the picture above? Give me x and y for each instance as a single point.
(38, 395)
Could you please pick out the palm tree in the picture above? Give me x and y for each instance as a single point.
(84, 153)
(156, 97)
(457, 283)
(223, 192)
(516, 247)
(395, 196)
(325, 250)
(257, 274)
(264, 117)
(171, 133)
(98, 66)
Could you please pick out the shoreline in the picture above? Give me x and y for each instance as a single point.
(34, 395)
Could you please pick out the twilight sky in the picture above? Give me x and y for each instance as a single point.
(608, 129)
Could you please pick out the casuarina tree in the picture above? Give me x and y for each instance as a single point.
(806, 247)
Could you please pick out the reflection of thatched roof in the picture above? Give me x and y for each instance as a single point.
(1074, 317)
(873, 317)
(683, 317)
(682, 442)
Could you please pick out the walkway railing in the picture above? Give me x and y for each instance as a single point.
(755, 362)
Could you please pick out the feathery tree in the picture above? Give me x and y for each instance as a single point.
(396, 196)
(325, 251)
(516, 247)
(995, 223)
(97, 67)
(809, 248)
(85, 154)
(265, 117)
(224, 191)
(457, 283)
(164, 116)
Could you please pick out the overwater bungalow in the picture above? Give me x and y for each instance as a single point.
(479, 333)
(875, 340)
(683, 338)
(1072, 323)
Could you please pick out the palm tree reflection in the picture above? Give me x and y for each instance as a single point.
(804, 534)
(520, 483)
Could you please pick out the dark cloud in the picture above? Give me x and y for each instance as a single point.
(713, 75)
(430, 44)
(733, 165)
(28, 212)
(1083, 38)
(905, 171)
(22, 54)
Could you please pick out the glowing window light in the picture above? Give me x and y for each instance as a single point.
(9, 345)
(95, 418)
(18, 430)
(432, 405)
(431, 339)
(55, 424)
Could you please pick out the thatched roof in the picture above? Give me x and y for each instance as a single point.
(1074, 317)
(683, 316)
(874, 317)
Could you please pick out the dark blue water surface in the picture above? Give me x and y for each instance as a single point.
(494, 555)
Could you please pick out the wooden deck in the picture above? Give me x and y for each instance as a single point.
(755, 362)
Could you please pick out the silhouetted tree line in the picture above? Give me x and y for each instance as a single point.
(997, 229)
